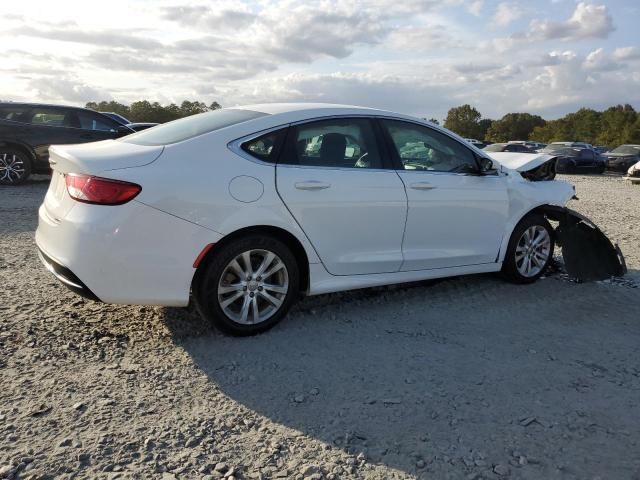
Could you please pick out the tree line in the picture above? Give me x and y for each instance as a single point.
(614, 126)
(145, 111)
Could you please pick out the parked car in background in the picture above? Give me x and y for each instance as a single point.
(117, 117)
(476, 143)
(27, 130)
(575, 159)
(573, 144)
(601, 149)
(135, 126)
(529, 144)
(622, 158)
(508, 147)
(138, 126)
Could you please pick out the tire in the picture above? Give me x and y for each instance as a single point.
(222, 280)
(15, 166)
(514, 267)
(602, 169)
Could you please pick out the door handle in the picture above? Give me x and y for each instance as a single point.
(312, 185)
(422, 186)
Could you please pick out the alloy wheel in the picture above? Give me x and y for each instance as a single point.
(253, 286)
(533, 251)
(12, 168)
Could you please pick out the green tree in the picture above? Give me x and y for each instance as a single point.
(514, 126)
(619, 125)
(145, 111)
(483, 128)
(109, 106)
(464, 120)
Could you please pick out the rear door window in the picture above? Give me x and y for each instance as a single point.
(337, 143)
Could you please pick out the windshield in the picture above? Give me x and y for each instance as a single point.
(189, 127)
(495, 147)
(627, 149)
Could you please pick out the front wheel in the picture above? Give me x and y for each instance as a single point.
(530, 250)
(248, 285)
(15, 167)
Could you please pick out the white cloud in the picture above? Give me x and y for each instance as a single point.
(415, 56)
(475, 7)
(587, 21)
(507, 12)
(627, 53)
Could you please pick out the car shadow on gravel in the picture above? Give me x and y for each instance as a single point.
(459, 375)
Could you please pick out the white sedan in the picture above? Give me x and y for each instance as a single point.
(244, 209)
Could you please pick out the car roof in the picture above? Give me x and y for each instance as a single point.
(305, 111)
(35, 104)
(280, 113)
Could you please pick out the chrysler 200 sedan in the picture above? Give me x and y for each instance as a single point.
(243, 209)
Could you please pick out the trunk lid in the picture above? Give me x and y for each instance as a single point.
(521, 162)
(96, 158)
(99, 157)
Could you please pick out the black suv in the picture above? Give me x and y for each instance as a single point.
(27, 130)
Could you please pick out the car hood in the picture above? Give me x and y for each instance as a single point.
(521, 162)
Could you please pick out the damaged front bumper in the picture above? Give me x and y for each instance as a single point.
(587, 252)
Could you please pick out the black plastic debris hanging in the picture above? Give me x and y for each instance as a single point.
(587, 252)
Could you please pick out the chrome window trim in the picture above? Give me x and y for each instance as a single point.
(236, 145)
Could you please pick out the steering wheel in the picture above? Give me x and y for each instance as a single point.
(361, 162)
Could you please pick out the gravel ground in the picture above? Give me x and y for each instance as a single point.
(464, 378)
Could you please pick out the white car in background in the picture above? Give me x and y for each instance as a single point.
(243, 209)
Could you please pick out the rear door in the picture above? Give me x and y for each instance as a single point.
(333, 178)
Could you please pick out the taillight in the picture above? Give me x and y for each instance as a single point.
(100, 191)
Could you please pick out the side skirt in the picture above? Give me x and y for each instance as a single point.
(321, 281)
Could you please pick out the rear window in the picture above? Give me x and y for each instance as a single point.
(189, 127)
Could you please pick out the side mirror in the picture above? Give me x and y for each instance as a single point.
(486, 165)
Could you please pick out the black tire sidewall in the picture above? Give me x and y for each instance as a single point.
(26, 161)
(509, 268)
(213, 268)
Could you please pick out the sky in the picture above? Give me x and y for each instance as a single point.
(419, 57)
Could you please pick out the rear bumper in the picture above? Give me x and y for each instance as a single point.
(67, 277)
(129, 254)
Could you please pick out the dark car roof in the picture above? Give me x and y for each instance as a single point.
(33, 104)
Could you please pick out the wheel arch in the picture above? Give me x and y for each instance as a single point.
(549, 211)
(286, 237)
(20, 146)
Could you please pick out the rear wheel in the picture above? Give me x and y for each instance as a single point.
(248, 285)
(530, 250)
(15, 167)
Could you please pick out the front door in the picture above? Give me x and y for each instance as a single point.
(332, 178)
(456, 217)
